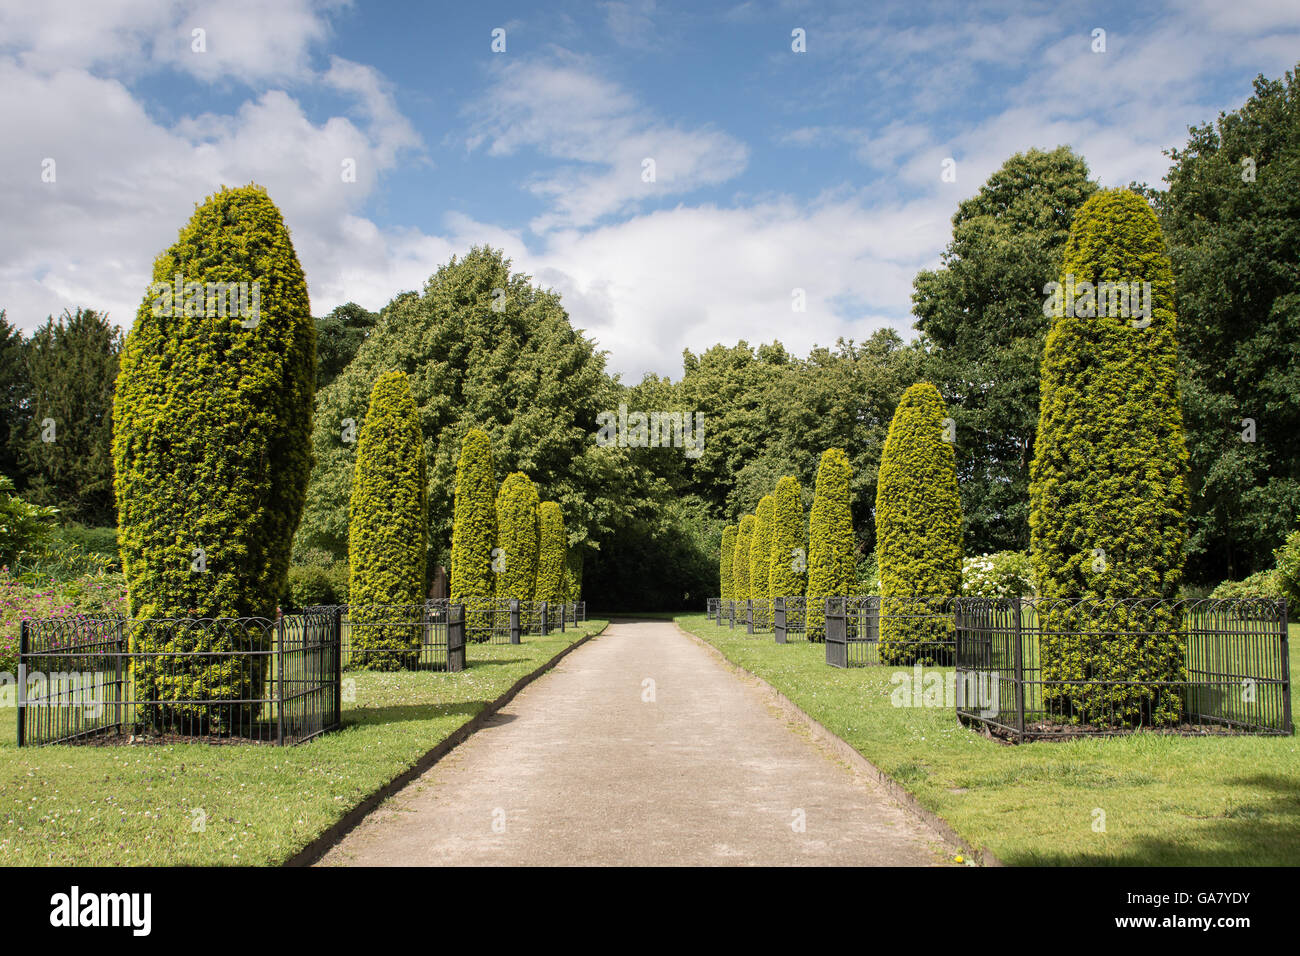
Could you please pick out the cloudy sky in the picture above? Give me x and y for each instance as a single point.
(774, 170)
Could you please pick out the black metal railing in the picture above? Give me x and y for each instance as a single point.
(97, 678)
(398, 636)
(789, 619)
(711, 606)
(1041, 669)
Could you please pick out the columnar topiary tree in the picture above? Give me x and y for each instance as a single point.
(1107, 491)
(474, 531)
(832, 564)
(789, 560)
(211, 451)
(740, 558)
(552, 543)
(388, 526)
(760, 560)
(517, 537)
(573, 563)
(726, 562)
(918, 532)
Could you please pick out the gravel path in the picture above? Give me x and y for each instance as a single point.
(640, 748)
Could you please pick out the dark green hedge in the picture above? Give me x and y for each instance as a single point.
(1108, 491)
(389, 524)
(211, 451)
(789, 561)
(832, 562)
(918, 531)
(552, 544)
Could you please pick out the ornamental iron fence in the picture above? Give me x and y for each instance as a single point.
(109, 679)
(789, 619)
(1052, 669)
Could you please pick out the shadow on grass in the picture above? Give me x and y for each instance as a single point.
(405, 713)
(1255, 832)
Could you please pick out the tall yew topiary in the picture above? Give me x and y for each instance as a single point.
(918, 532)
(211, 449)
(726, 562)
(832, 565)
(1108, 492)
(388, 525)
(740, 558)
(760, 560)
(789, 558)
(552, 543)
(517, 537)
(474, 531)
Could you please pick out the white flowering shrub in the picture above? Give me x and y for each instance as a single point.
(1002, 574)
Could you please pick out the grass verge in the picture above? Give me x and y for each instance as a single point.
(1165, 801)
(197, 804)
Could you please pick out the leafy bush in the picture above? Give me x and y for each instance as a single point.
(211, 443)
(317, 584)
(1288, 569)
(1002, 574)
(24, 528)
(1261, 584)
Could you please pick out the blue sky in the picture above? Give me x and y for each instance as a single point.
(775, 169)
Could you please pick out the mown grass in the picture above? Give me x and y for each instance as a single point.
(1167, 801)
(138, 805)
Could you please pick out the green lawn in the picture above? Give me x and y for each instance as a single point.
(129, 805)
(1167, 800)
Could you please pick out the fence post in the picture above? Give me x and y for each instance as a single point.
(749, 616)
(1286, 673)
(563, 615)
(1020, 668)
(455, 637)
(336, 626)
(837, 634)
(279, 680)
(546, 615)
(22, 683)
(117, 675)
(778, 619)
(514, 620)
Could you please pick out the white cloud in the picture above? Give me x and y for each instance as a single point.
(563, 111)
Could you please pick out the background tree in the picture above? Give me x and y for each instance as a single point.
(474, 534)
(918, 532)
(552, 541)
(832, 560)
(1231, 216)
(740, 558)
(982, 317)
(389, 523)
(338, 336)
(789, 560)
(211, 421)
(66, 441)
(1108, 490)
(726, 555)
(15, 396)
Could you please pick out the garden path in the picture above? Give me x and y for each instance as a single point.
(640, 747)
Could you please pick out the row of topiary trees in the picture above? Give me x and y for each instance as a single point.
(507, 545)
(771, 554)
(1107, 493)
